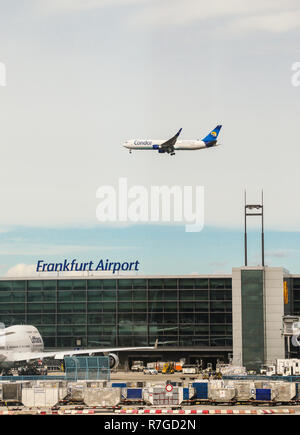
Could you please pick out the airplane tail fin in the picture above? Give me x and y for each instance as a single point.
(212, 137)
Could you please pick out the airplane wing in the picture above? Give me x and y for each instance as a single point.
(30, 356)
(168, 146)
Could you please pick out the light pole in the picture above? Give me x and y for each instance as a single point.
(248, 211)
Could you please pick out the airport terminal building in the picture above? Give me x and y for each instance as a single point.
(206, 317)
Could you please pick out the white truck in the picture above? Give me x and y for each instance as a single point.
(137, 366)
(189, 369)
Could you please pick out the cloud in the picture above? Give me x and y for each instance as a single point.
(66, 6)
(276, 23)
(29, 248)
(281, 253)
(270, 15)
(22, 270)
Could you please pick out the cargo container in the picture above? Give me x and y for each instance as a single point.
(12, 392)
(286, 391)
(201, 390)
(40, 397)
(263, 394)
(186, 393)
(266, 394)
(102, 397)
(229, 369)
(134, 394)
(75, 392)
(288, 367)
(216, 394)
(159, 396)
(282, 367)
(244, 390)
(61, 385)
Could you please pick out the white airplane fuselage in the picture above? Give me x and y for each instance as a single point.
(16, 340)
(21, 343)
(151, 144)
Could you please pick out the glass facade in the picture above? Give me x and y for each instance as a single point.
(295, 295)
(253, 318)
(294, 303)
(180, 312)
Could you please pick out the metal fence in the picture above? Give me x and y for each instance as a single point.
(262, 378)
(32, 378)
(87, 368)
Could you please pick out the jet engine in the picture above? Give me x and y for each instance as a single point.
(113, 361)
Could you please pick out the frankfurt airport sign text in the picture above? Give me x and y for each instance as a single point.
(183, 204)
(90, 266)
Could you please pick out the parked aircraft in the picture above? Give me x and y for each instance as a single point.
(24, 343)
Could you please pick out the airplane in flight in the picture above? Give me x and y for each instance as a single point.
(171, 145)
(24, 343)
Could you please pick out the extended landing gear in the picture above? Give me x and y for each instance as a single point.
(130, 151)
(171, 151)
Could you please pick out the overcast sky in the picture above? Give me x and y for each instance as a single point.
(83, 76)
